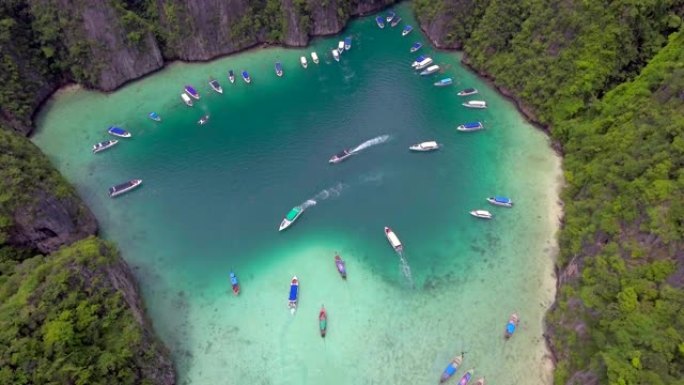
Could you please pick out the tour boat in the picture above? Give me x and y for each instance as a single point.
(347, 43)
(451, 368)
(291, 216)
(472, 126)
(340, 46)
(406, 30)
(475, 104)
(380, 22)
(418, 60)
(303, 62)
(336, 55)
(118, 131)
(203, 120)
(480, 381)
(430, 70)
(278, 68)
(216, 86)
(425, 146)
(484, 214)
(190, 90)
(154, 116)
(104, 145)
(122, 188)
(341, 268)
(466, 377)
(231, 76)
(323, 321)
(500, 201)
(294, 295)
(512, 324)
(467, 92)
(314, 57)
(393, 240)
(186, 99)
(245, 77)
(415, 47)
(340, 156)
(443, 82)
(423, 64)
(234, 283)
(390, 16)
(395, 22)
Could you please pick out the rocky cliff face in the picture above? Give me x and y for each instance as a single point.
(449, 23)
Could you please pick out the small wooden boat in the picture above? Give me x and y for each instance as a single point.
(451, 368)
(341, 268)
(123, 188)
(393, 240)
(415, 47)
(186, 99)
(466, 377)
(406, 30)
(475, 104)
(380, 22)
(216, 86)
(104, 145)
(500, 201)
(470, 127)
(323, 321)
(294, 295)
(395, 22)
(484, 214)
(154, 116)
(512, 324)
(190, 90)
(234, 283)
(278, 69)
(467, 92)
(231, 76)
(118, 131)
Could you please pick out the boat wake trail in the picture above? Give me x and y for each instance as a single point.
(330, 192)
(370, 143)
(405, 269)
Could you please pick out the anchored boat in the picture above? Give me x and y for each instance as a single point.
(500, 201)
(451, 368)
(118, 131)
(380, 22)
(425, 146)
(393, 240)
(466, 377)
(123, 188)
(340, 46)
(294, 295)
(390, 16)
(278, 69)
(303, 62)
(347, 43)
(216, 86)
(291, 216)
(443, 82)
(484, 214)
(323, 321)
(154, 116)
(475, 104)
(340, 265)
(467, 92)
(234, 283)
(472, 126)
(231, 76)
(415, 47)
(245, 77)
(190, 90)
(426, 62)
(314, 57)
(406, 30)
(395, 22)
(104, 145)
(186, 99)
(336, 55)
(430, 70)
(512, 324)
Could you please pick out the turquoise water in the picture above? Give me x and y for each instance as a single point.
(214, 195)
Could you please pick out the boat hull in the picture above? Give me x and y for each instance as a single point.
(341, 268)
(393, 240)
(482, 214)
(104, 146)
(117, 190)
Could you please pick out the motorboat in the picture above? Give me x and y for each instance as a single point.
(231, 76)
(245, 77)
(347, 43)
(323, 321)
(192, 92)
(118, 131)
(279, 68)
(500, 201)
(423, 64)
(484, 214)
(430, 70)
(395, 22)
(418, 60)
(466, 377)
(104, 145)
(406, 30)
(393, 240)
(234, 283)
(390, 16)
(336, 55)
(291, 216)
(380, 22)
(425, 146)
(123, 188)
(341, 266)
(203, 120)
(451, 369)
(512, 324)
(340, 46)
(340, 156)
(154, 116)
(467, 92)
(303, 62)
(444, 82)
(216, 86)
(472, 126)
(475, 104)
(186, 99)
(415, 47)
(314, 57)
(294, 295)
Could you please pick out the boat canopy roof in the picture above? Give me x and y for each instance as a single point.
(117, 130)
(431, 143)
(420, 58)
(278, 65)
(408, 28)
(347, 39)
(416, 45)
(473, 125)
(469, 90)
(214, 82)
(245, 74)
(233, 279)
(293, 292)
(477, 102)
(502, 199)
(510, 328)
(190, 89)
(293, 213)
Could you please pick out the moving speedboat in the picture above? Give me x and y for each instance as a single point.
(430, 70)
(231, 76)
(154, 116)
(294, 295)
(393, 240)
(406, 30)
(122, 188)
(347, 43)
(186, 99)
(278, 68)
(475, 104)
(336, 55)
(484, 214)
(395, 22)
(340, 46)
(104, 145)
(467, 92)
(466, 377)
(341, 268)
(415, 47)
(190, 90)
(314, 57)
(214, 84)
(500, 201)
(380, 22)
(234, 283)
(118, 131)
(390, 16)
(513, 322)
(340, 156)
(323, 321)
(451, 368)
(422, 64)
(203, 120)
(472, 126)
(443, 82)
(425, 146)
(245, 77)
(291, 216)
(303, 62)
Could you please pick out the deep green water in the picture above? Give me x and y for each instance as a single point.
(214, 195)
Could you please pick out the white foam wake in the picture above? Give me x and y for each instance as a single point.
(370, 143)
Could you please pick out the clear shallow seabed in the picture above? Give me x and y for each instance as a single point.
(214, 195)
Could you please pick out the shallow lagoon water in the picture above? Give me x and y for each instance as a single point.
(214, 195)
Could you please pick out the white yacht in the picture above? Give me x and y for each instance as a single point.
(425, 146)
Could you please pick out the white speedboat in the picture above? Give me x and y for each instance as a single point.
(314, 57)
(430, 70)
(406, 30)
(500, 201)
(484, 214)
(340, 46)
(104, 145)
(303, 62)
(291, 216)
(123, 188)
(186, 99)
(472, 126)
(340, 156)
(421, 65)
(336, 55)
(475, 104)
(425, 146)
(393, 240)
(214, 84)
